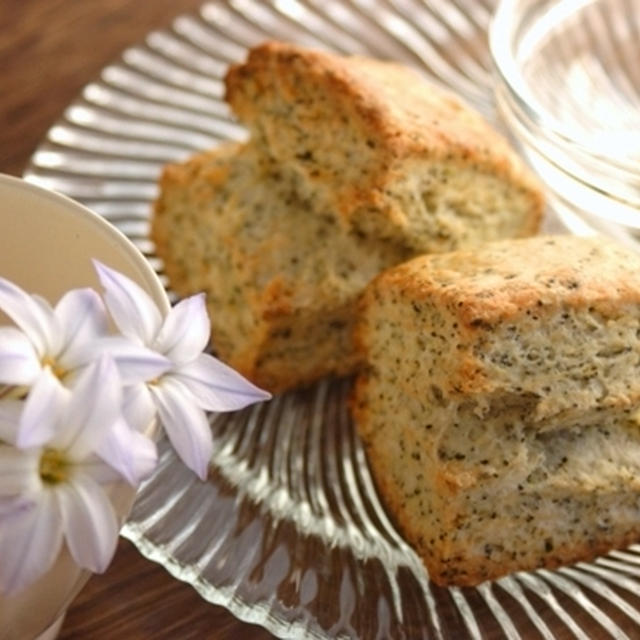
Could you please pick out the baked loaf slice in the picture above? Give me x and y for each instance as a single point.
(499, 408)
(352, 166)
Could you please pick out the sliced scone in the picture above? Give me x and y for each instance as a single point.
(499, 407)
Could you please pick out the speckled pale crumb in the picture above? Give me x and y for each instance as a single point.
(389, 152)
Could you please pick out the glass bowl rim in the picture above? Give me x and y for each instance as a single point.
(503, 27)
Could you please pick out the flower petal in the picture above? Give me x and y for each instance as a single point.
(217, 386)
(129, 452)
(138, 408)
(89, 522)
(29, 544)
(100, 471)
(186, 330)
(135, 362)
(10, 413)
(42, 411)
(19, 471)
(82, 318)
(185, 424)
(14, 507)
(93, 407)
(30, 315)
(54, 337)
(19, 363)
(131, 308)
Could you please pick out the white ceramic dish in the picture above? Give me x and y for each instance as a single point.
(47, 242)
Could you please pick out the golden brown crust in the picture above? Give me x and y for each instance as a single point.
(532, 273)
(392, 103)
(389, 108)
(505, 281)
(474, 571)
(445, 565)
(266, 286)
(280, 376)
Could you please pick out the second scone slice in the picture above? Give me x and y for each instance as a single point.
(282, 278)
(499, 408)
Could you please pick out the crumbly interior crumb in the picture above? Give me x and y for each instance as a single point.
(448, 205)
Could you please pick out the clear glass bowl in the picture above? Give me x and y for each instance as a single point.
(568, 86)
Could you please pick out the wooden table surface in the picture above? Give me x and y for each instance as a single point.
(49, 50)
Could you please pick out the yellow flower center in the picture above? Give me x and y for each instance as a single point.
(54, 467)
(13, 392)
(56, 369)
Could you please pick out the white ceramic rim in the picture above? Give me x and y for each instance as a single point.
(105, 228)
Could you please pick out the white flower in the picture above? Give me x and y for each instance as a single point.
(63, 339)
(74, 402)
(194, 383)
(53, 486)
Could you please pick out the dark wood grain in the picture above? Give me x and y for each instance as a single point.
(49, 50)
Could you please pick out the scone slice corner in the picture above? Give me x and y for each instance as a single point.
(499, 407)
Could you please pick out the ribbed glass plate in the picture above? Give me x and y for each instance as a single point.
(288, 531)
